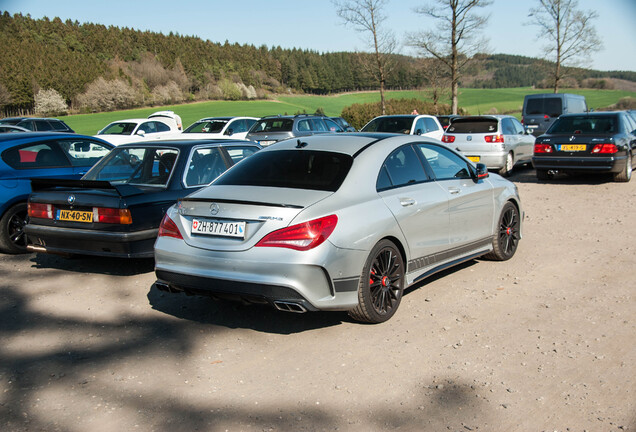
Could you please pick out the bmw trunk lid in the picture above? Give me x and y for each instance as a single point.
(235, 218)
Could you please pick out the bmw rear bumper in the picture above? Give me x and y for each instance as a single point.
(56, 240)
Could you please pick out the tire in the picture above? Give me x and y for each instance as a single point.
(542, 174)
(506, 238)
(13, 240)
(625, 175)
(508, 166)
(381, 284)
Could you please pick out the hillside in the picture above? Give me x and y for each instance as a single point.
(98, 68)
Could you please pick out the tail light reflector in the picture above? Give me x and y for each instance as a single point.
(42, 211)
(542, 148)
(168, 228)
(448, 138)
(112, 215)
(494, 138)
(302, 237)
(605, 148)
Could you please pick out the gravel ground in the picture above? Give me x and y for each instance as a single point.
(543, 342)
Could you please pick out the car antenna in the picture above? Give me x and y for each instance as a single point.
(301, 144)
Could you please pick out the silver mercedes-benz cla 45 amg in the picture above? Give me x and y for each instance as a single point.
(336, 222)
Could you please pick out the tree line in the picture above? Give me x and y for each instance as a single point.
(95, 67)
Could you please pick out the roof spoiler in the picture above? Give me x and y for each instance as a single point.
(124, 190)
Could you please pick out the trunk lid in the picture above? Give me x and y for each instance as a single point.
(257, 211)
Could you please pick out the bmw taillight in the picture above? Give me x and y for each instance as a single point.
(605, 148)
(303, 236)
(448, 138)
(168, 228)
(543, 148)
(42, 211)
(112, 215)
(494, 138)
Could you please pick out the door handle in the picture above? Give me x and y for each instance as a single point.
(454, 190)
(405, 202)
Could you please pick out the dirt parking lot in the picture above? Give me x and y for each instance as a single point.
(544, 342)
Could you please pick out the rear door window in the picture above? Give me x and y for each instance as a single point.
(205, 165)
(82, 152)
(401, 168)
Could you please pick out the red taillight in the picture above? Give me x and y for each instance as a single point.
(42, 211)
(302, 237)
(448, 138)
(542, 148)
(605, 148)
(494, 138)
(168, 228)
(112, 215)
(546, 117)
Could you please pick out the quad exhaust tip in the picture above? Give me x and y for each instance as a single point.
(289, 307)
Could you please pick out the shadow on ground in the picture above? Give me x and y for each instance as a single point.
(94, 264)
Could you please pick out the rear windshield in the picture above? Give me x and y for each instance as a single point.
(584, 125)
(273, 125)
(296, 169)
(473, 126)
(540, 106)
(389, 124)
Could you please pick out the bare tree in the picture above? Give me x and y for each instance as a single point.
(366, 16)
(570, 34)
(437, 80)
(456, 37)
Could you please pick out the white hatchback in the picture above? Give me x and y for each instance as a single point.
(158, 125)
(413, 124)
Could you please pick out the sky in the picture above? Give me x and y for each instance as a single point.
(314, 24)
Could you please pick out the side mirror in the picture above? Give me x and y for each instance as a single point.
(140, 133)
(481, 171)
(418, 132)
(229, 132)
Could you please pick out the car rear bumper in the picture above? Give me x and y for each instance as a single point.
(611, 164)
(492, 160)
(47, 239)
(262, 275)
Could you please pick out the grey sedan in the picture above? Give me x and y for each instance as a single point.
(336, 222)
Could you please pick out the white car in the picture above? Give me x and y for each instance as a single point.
(218, 127)
(412, 124)
(161, 124)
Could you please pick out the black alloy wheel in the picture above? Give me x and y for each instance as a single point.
(381, 284)
(13, 239)
(508, 234)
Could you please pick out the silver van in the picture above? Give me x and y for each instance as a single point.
(541, 110)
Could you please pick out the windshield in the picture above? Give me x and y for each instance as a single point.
(119, 128)
(207, 126)
(297, 169)
(584, 125)
(135, 165)
(389, 124)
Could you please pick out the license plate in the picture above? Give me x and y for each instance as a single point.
(532, 126)
(572, 147)
(75, 215)
(266, 143)
(474, 158)
(223, 229)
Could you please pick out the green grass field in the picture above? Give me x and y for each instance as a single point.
(473, 101)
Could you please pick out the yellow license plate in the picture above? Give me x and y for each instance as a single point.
(473, 158)
(573, 147)
(75, 215)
